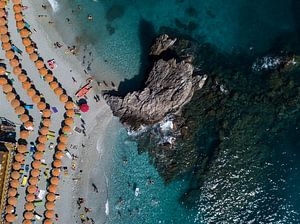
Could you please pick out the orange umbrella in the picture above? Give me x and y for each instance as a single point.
(46, 113)
(17, 70)
(2, 5)
(29, 206)
(30, 197)
(50, 205)
(54, 85)
(6, 46)
(17, 8)
(44, 130)
(36, 164)
(35, 173)
(49, 214)
(25, 33)
(48, 221)
(12, 192)
(57, 163)
(34, 57)
(58, 91)
(42, 139)
(20, 110)
(17, 1)
(27, 221)
(54, 180)
(39, 64)
(55, 172)
(52, 188)
(5, 38)
(15, 175)
(3, 21)
(66, 129)
(26, 42)
(24, 118)
(41, 105)
(14, 62)
(18, 16)
(12, 201)
(43, 71)
(10, 96)
(33, 180)
(31, 92)
(7, 88)
(46, 122)
(29, 49)
(24, 134)
(9, 54)
(2, 13)
(14, 183)
(28, 125)
(15, 103)
(36, 98)
(69, 105)
(10, 209)
(22, 78)
(3, 81)
(20, 25)
(10, 218)
(28, 215)
(16, 166)
(63, 98)
(49, 78)
(19, 157)
(26, 85)
(61, 146)
(31, 189)
(3, 30)
(50, 197)
(2, 70)
(59, 155)
(38, 155)
(21, 148)
(40, 147)
(63, 138)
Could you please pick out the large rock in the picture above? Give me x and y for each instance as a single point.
(169, 86)
(161, 44)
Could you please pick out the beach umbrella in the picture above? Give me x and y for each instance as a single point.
(63, 98)
(50, 197)
(43, 71)
(26, 42)
(84, 107)
(17, 8)
(10, 217)
(50, 205)
(10, 209)
(58, 91)
(24, 33)
(5, 38)
(31, 92)
(42, 139)
(9, 54)
(24, 134)
(70, 113)
(46, 113)
(29, 206)
(39, 64)
(69, 105)
(2, 70)
(46, 122)
(12, 201)
(21, 148)
(54, 180)
(15, 103)
(36, 98)
(3, 21)
(49, 214)
(20, 110)
(31, 189)
(59, 155)
(3, 81)
(61, 146)
(3, 30)
(6, 46)
(44, 130)
(30, 49)
(19, 157)
(40, 147)
(14, 183)
(57, 163)
(17, 1)
(27, 221)
(24, 118)
(12, 192)
(10, 96)
(49, 78)
(15, 175)
(30, 197)
(2, 4)
(63, 138)
(54, 85)
(36, 164)
(2, 13)
(28, 215)
(28, 125)
(26, 85)
(41, 105)
(66, 129)
(52, 188)
(34, 57)
(16, 166)
(55, 172)
(17, 70)
(38, 155)
(7, 88)
(22, 78)
(48, 221)
(35, 173)
(18, 16)
(33, 180)
(20, 24)
(14, 62)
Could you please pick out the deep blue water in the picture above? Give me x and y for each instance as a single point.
(119, 37)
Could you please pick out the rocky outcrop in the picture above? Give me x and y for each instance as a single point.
(161, 44)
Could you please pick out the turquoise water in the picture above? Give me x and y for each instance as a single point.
(119, 37)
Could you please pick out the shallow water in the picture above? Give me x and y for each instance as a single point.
(119, 37)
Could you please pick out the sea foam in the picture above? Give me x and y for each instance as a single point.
(54, 4)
